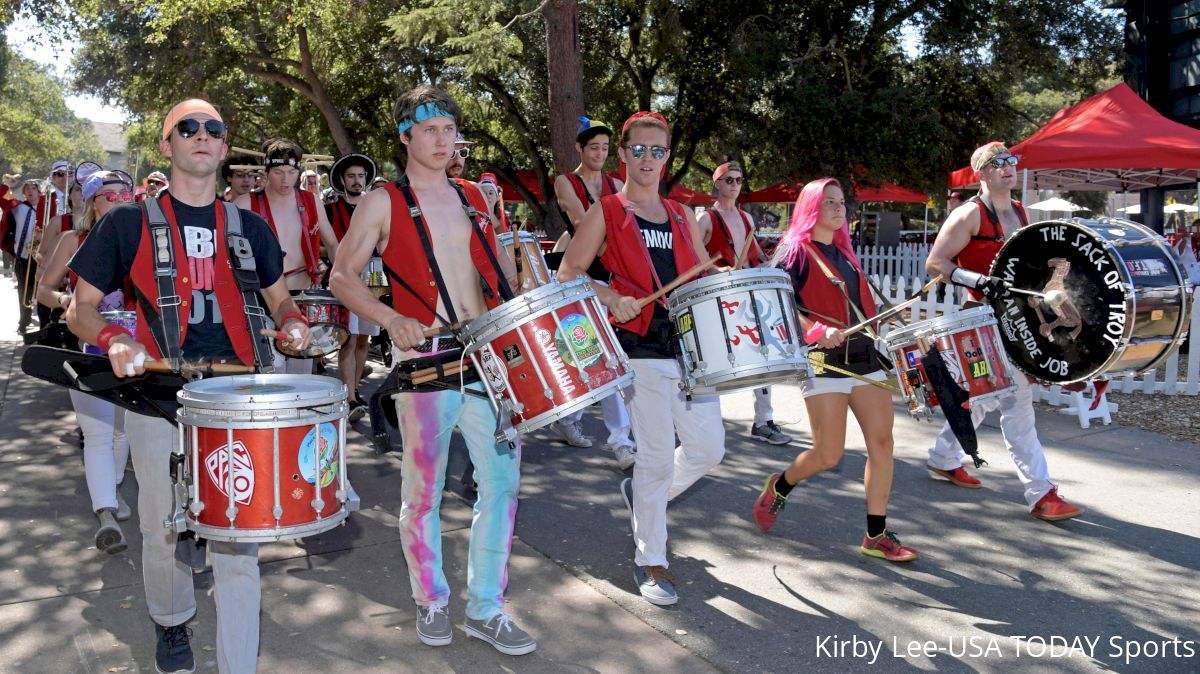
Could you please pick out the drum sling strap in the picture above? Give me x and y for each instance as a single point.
(838, 283)
(997, 230)
(245, 273)
(750, 239)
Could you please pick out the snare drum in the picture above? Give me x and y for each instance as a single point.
(1126, 299)
(125, 319)
(263, 457)
(328, 320)
(970, 345)
(373, 276)
(525, 252)
(547, 354)
(738, 330)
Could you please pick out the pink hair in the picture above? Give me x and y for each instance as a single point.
(791, 249)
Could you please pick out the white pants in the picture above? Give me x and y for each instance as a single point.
(170, 595)
(664, 471)
(616, 419)
(105, 449)
(1020, 436)
(763, 412)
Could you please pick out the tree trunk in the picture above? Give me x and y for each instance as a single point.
(564, 62)
(320, 98)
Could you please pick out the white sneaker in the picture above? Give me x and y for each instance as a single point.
(625, 453)
(123, 510)
(571, 433)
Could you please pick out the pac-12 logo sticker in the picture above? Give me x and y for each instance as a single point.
(578, 337)
(492, 370)
(324, 446)
(218, 465)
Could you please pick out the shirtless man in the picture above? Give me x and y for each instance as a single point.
(454, 276)
(240, 181)
(727, 230)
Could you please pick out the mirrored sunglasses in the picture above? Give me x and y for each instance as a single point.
(999, 162)
(113, 197)
(639, 151)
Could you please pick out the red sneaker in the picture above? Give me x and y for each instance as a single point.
(769, 504)
(1052, 508)
(887, 546)
(959, 476)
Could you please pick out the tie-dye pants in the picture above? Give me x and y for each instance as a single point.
(426, 423)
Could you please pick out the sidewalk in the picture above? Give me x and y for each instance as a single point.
(802, 598)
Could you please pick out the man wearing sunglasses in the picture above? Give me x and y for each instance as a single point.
(458, 158)
(212, 316)
(239, 180)
(963, 252)
(727, 230)
(576, 193)
(645, 242)
(155, 183)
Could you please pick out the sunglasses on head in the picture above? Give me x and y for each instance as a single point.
(113, 197)
(733, 180)
(461, 153)
(189, 127)
(639, 151)
(999, 162)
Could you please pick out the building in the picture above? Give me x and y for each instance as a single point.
(115, 142)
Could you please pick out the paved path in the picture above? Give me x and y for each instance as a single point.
(991, 586)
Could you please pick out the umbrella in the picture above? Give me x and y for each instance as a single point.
(1131, 210)
(1179, 208)
(1055, 204)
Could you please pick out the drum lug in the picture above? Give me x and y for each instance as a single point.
(318, 505)
(231, 514)
(277, 513)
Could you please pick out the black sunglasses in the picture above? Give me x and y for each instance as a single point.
(189, 127)
(733, 180)
(59, 174)
(639, 151)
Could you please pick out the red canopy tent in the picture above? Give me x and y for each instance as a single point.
(787, 192)
(680, 193)
(1111, 141)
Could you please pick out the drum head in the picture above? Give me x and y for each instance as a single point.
(262, 391)
(1082, 336)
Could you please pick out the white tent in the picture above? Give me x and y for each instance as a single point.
(1054, 205)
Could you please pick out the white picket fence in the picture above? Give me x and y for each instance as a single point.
(1180, 375)
(904, 261)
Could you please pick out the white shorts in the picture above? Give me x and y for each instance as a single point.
(362, 326)
(815, 386)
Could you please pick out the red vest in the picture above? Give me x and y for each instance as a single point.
(404, 252)
(981, 250)
(720, 243)
(42, 207)
(627, 259)
(340, 222)
(822, 297)
(310, 237)
(229, 297)
(607, 187)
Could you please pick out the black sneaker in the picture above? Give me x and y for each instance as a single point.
(174, 652)
(357, 410)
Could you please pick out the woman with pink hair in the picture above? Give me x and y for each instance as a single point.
(832, 293)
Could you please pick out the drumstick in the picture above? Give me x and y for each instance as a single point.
(241, 150)
(430, 373)
(679, 280)
(316, 157)
(247, 167)
(817, 359)
(216, 368)
(894, 310)
(745, 254)
(428, 332)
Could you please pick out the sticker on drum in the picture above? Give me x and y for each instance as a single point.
(328, 446)
(583, 340)
(218, 464)
(492, 370)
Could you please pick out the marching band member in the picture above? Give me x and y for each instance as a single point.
(963, 252)
(645, 242)
(20, 234)
(577, 192)
(154, 183)
(239, 180)
(727, 229)
(212, 323)
(105, 448)
(422, 226)
(817, 254)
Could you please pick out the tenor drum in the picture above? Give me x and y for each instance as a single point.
(328, 320)
(373, 276)
(1125, 307)
(263, 457)
(547, 354)
(738, 330)
(970, 345)
(526, 254)
(125, 319)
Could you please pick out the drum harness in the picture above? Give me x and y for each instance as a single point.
(164, 323)
(851, 306)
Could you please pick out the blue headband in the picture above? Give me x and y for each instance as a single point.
(424, 112)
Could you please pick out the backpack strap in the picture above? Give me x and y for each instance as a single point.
(163, 317)
(245, 273)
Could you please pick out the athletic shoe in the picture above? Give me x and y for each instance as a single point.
(502, 633)
(656, 584)
(770, 433)
(769, 503)
(571, 433)
(887, 546)
(627, 494)
(357, 410)
(625, 453)
(173, 655)
(123, 510)
(433, 625)
(959, 476)
(367, 370)
(109, 537)
(1052, 508)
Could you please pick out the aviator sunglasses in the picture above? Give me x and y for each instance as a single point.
(999, 162)
(639, 151)
(189, 127)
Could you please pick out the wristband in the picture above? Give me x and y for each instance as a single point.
(108, 333)
(290, 315)
(815, 333)
(968, 278)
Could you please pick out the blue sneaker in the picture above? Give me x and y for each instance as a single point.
(656, 584)
(174, 652)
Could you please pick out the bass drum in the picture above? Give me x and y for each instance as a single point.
(1125, 307)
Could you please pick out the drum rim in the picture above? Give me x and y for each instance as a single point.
(480, 329)
(508, 237)
(326, 295)
(194, 395)
(267, 535)
(593, 396)
(740, 277)
(911, 332)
